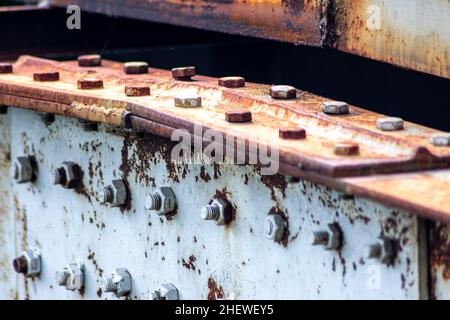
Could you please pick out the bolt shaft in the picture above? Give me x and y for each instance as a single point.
(61, 277)
(320, 238)
(210, 212)
(153, 201)
(107, 194)
(373, 251)
(109, 285)
(20, 265)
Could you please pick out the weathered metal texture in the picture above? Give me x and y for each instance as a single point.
(202, 260)
(439, 261)
(411, 33)
(414, 34)
(380, 152)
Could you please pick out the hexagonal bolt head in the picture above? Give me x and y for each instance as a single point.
(166, 291)
(68, 175)
(219, 211)
(390, 124)
(346, 149)
(330, 238)
(24, 170)
(135, 67)
(71, 276)
(283, 92)
(275, 227)
(28, 263)
(335, 107)
(115, 194)
(90, 60)
(163, 201)
(440, 140)
(187, 101)
(118, 283)
(383, 250)
(183, 73)
(231, 82)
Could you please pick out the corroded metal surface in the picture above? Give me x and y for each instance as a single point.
(439, 261)
(410, 33)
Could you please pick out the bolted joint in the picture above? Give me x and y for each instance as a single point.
(382, 250)
(163, 201)
(71, 276)
(183, 73)
(118, 283)
(275, 227)
(166, 291)
(283, 92)
(115, 194)
(219, 210)
(330, 238)
(188, 101)
(440, 140)
(390, 124)
(24, 169)
(28, 263)
(335, 107)
(68, 175)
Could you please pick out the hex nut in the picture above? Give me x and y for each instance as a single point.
(294, 133)
(346, 149)
(188, 101)
(383, 250)
(115, 194)
(219, 210)
(335, 107)
(275, 227)
(136, 67)
(71, 276)
(90, 83)
(137, 91)
(183, 73)
(119, 282)
(163, 201)
(68, 175)
(6, 68)
(28, 263)
(330, 238)
(90, 60)
(231, 82)
(46, 76)
(390, 124)
(238, 116)
(24, 170)
(283, 92)
(166, 291)
(440, 140)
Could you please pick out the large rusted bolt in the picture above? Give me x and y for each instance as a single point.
(440, 140)
(46, 76)
(28, 263)
(275, 227)
(115, 194)
(135, 67)
(166, 291)
(383, 250)
(346, 149)
(71, 276)
(183, 73)
(294, 133)
(283, 92)
(88, 125)
(390, 124)
(335, 107)
(68, 175)
(238, 116)
(6, 67)
(162, 201)
(188, 101)
(24, 169)
(137, 91)
(90, 60)
(218, 211)
(90, 83)
(118, 283)
(231, 82)
(330, 238)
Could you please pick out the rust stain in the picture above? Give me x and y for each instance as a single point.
(439, 253)
(214, 290)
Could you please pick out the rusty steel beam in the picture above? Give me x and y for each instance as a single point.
(413, 34)
(313, 158)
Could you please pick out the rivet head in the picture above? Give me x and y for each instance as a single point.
(136, 67)
(440, 140)
(90, 60)
(6, 67)
(188, 101)
(335, 107)
(137, 91)
(90, 83)
(283, 92)
(390, 124)
(346, 149)
(293, 133)
(238, 116)
(183, 73)
(46, 76)
(232, 82)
